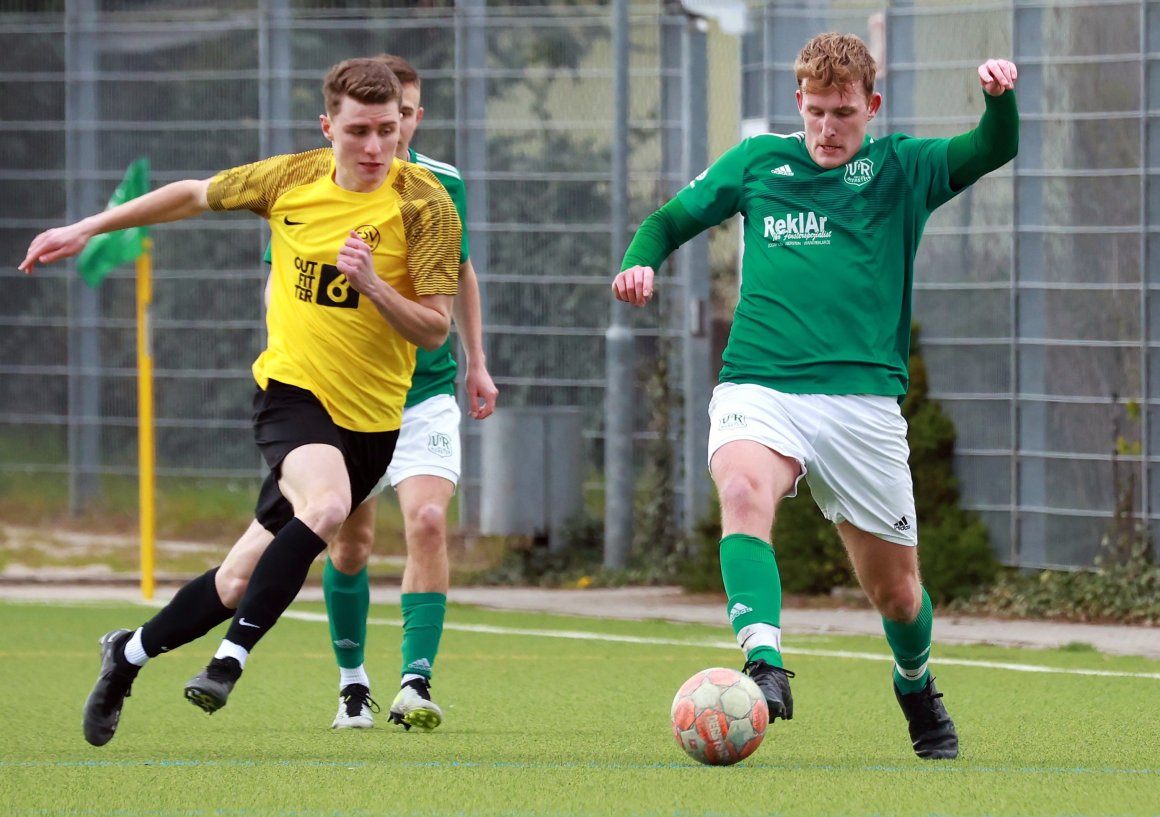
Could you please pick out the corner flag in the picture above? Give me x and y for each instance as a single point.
(104, 252)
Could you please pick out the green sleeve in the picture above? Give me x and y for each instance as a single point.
(458, 192)
(991, 145)
(660, 234)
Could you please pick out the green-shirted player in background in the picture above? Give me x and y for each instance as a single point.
(817, 359)
(424, 472)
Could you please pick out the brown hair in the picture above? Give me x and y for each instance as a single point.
(369, 81)
(835, 60)
(403, 70)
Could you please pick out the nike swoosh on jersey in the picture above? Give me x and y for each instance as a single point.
(286, 220)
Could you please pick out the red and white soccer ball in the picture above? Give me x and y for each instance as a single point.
(719, 716)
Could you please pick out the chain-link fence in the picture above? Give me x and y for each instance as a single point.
(1034, 289)
(519, 96)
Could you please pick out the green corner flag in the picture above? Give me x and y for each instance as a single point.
(104, 252)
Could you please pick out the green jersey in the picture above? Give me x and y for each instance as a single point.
(435, 371)
(828, 261)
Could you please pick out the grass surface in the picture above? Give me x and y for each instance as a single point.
(578, 725)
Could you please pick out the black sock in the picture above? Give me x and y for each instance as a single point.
(194, 611)
(278, 577)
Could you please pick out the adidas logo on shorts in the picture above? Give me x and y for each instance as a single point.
(902, 524)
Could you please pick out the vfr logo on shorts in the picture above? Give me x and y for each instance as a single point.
(733, 420)
(439, 444)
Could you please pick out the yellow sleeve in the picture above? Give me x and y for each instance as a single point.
(433, 232)
(256, 186)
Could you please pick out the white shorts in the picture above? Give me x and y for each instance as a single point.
(428, 444)
(852, 449)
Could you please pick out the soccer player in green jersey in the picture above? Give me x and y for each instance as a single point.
(817, 359)
(424, 472)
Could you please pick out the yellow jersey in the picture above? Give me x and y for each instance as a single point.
(323, 336)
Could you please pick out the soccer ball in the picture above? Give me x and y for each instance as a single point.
(719, 716)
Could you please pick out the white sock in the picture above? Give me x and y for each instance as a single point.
(229, 649)
(753, 636)
(411, 676)
(912, 674)
(134, 651)
(357, 675)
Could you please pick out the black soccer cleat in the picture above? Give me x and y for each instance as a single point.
(932, 732)
(210, 688)
(774, 685)
(103, 707)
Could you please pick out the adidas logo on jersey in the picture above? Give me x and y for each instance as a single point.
(738, 609)
(784, 170)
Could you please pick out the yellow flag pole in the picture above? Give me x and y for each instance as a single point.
(146, 457)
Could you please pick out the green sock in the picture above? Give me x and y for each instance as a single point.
(348, 598)
(423, 615)
(910, 644)
(753, 584)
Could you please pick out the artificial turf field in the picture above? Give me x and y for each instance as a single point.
(562, 716)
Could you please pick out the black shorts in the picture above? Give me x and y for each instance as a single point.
(287, 417)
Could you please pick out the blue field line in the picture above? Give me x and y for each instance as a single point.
(694, 768)
(585, 635)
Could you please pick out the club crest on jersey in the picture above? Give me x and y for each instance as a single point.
(859, 173)
(370, 234)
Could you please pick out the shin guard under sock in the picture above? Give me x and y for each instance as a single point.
(194, 611)
(277, 578)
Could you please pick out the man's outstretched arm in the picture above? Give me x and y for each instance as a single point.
(172, 202)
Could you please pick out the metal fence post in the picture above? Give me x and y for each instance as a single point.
(1028, 422)
(471, 155)
(620, 405)
(697, 276)
(84, 339)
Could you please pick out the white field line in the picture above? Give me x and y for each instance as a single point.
(581, 635)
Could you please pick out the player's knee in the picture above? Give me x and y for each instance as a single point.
(427, 527)
(898, 601)
(740, 496)
(351, 551)
(324, 513)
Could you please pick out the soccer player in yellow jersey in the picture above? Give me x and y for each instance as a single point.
(365, 264)
(424, 473)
